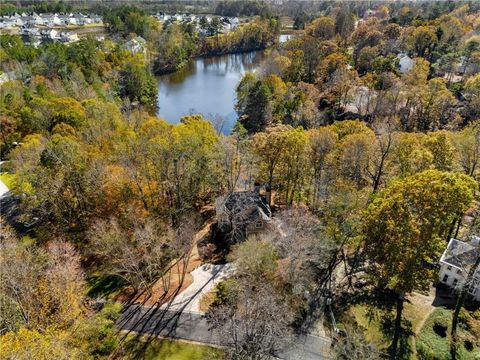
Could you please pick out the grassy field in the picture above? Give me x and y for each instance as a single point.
(163, 349)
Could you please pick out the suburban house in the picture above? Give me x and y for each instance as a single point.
(456, 260)
(48, 19)
(405, 63)
(8, 76)
(49, 34)
(67, 37)
(136, 45)
(244, 212)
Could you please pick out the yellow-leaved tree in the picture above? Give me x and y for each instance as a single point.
(406, 227)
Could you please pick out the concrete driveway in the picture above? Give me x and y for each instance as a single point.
(205, 278)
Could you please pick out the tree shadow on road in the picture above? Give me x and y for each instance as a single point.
(149, 322)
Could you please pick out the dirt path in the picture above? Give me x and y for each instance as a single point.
(419, 309)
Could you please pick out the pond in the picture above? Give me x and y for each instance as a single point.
(207, 86)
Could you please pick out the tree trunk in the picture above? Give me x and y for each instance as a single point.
(459, 305)
(398, 327)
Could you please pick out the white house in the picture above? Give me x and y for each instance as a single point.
(405, 63)
(8, 76)
(49, 34)
(136, 45)
(177, 17)
(68, 37)
(457, 258)
(235, 21)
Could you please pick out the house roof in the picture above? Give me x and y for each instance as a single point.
(240, 200)
(459, 254)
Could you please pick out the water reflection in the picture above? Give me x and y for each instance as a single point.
(206, 86)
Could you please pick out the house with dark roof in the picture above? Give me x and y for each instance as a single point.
(244, 213)
(456, 260)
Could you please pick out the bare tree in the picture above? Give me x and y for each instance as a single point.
(255, 324)
(39, 287)
(353, 346)
(304, 247)
(378, 159)
(139, 254)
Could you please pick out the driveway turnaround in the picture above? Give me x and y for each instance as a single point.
(205, 278)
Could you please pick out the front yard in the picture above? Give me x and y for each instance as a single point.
(426, 327)
(433, 340)
(164, 349)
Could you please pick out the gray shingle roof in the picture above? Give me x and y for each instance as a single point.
(459, 253)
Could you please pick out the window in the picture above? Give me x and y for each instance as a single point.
(455, 282)
(259, 225)
(449, 267)
(445, 278)
(459, 271)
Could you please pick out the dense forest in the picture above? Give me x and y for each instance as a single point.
(364, 127)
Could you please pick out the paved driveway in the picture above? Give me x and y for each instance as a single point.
(205, 278)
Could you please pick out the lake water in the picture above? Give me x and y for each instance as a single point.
(207, 86)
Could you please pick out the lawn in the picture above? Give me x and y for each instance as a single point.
(377, 324)
(434, 338)
(432, 328)
(163, 349)
(370, 319)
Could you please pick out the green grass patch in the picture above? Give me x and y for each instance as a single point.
(8, 179)
(163, 349)
(376, 321)
(370, 319)
(433, 340)
(100, 285)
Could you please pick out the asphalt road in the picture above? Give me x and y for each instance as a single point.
(193, 326)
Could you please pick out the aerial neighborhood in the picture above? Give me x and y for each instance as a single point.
(48, 19)
(239, 180)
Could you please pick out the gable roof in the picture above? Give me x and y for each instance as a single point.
(240, 200)
(459, 253)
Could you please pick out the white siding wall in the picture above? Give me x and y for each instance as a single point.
(454, 273)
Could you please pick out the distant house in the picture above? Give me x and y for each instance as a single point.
(177, 17)
(67, 37)
(136, 45)
(64, 19)
(28, 20)
(49, 34)
(8, 76)
(405, 62)
(369, 13)
(455, 262)
(235, 21)
(95, 19)
(244, 213)
(189, 18)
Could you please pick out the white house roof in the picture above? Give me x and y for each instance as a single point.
(459, 254)
(406, 62)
